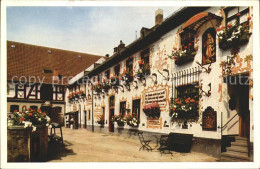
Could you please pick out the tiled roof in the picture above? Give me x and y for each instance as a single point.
(30, 60)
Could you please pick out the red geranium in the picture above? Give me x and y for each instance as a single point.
(30, 114)
(238, 14)
(249, 17)
(229, 25)
(174, 109)
(185, 47)
(21, 119)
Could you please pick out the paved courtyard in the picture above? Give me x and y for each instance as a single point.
(84, 146)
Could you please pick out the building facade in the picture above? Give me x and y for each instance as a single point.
(37, 77)
(196, 66)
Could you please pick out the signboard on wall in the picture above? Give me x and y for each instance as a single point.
(97, 112)
(154, 123)
(75, 107)
(158, 93)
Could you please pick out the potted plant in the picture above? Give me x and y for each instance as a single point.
(105, 86)
(152, 110)
(183, 56)
(114, 80)
(35, 123)
(143, 71)
(127, 76)
(184, 109)
(101, 119)
(234, 35)
(98, 88)
(119, 119)
(132, 120)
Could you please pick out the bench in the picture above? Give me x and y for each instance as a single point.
(176, 142)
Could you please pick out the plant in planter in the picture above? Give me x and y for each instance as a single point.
(105, 86)
(233, 36)
(184, 109)
(132, 120)
(152, 110)
(114, 81)
(143, 71)
(30, 118)
(98, 88)
(101, 119)
(119, 119)
(182, 56)
(127, 76)
(81, 93)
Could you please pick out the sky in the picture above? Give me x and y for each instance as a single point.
(93, 30)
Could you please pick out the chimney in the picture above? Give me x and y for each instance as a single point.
(120, 47)
(158, 16)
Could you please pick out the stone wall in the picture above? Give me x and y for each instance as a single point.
(25, 145)
(18, 144)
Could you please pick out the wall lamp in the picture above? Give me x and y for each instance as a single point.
(208, 70)
(203, 92)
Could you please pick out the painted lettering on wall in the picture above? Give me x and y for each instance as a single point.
(154, 123)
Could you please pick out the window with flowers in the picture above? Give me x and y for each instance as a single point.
(186, 52)
(236, 32)
(128, 73)
(184, 107)
(144, 66)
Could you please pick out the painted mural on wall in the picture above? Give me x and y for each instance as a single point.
(158, 94)
(209, 119)
(154, 123)
(209, 46)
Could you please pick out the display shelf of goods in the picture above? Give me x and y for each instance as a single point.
(101, 120)
(114, 81)
(182, 56)
(132, 120)
(234, 35)
(119, 119)
(184, 109)
(152, 110)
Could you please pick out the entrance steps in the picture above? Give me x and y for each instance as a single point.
(237, 152)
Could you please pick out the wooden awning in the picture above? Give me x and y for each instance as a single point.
(199, 19)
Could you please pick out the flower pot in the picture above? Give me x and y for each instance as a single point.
(185, 59)
(119, 123)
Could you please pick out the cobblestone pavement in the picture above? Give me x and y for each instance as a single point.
(84, 146)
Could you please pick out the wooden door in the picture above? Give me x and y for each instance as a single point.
(111, 124)
(244, 118)
(85, 119)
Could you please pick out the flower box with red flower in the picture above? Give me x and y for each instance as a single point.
(143, 71)
(114, 80)
(127, 76)
(152, 110)
(98, 88)
(132, 120)
(119, 119)
(101, 119)
(234, 35)
(184, 109)
(105, 86)
(183, 56)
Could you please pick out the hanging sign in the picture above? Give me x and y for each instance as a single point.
(154, 123)
(97, 112)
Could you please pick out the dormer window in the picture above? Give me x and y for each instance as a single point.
(239, 14)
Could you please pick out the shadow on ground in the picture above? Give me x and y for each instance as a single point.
(57, 150)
